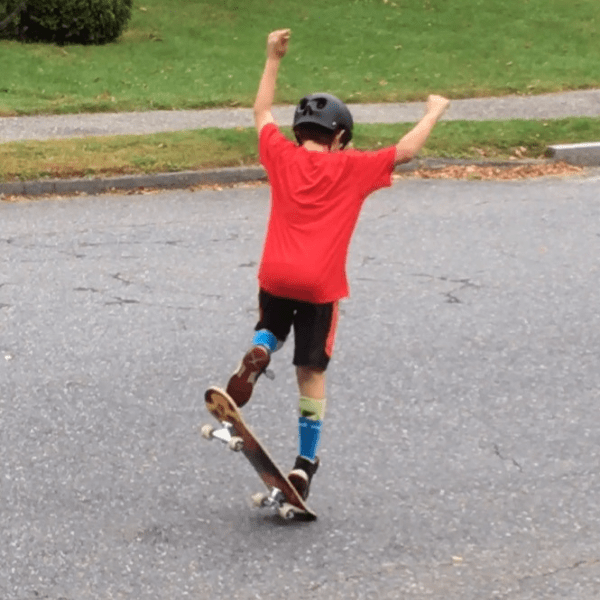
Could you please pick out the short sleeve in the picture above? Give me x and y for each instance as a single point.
(271, 144)
(374, 169)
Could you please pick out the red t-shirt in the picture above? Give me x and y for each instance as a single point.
(316, 198)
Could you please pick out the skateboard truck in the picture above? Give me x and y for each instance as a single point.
(224, 434)
(276, 501)
(272, 500)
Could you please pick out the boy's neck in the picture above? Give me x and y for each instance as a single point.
(312, 146)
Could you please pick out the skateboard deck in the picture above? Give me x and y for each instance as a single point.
(282, 495)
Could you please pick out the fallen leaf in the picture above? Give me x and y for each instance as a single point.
(476, 172)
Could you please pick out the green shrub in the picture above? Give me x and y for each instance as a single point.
(64, 21)
(10, 17)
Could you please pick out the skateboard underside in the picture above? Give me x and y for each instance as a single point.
(281, 497)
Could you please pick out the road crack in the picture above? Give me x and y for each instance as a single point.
(451, 295)
(505, 458)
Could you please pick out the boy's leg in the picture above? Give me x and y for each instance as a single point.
(314, 329)
(271, 331)
(311, 385)
(311, 382)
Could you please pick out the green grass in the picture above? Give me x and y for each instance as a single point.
(98, 156)
(489, 139)
(218, 148)
(188, 54)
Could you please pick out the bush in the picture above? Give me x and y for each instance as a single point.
(10, 17)
(64, 21)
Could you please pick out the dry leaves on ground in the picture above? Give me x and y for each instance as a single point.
(476, 172)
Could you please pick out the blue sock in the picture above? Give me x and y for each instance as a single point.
(265, 338)
(309, 434)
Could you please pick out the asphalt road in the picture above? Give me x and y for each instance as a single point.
(462, 442)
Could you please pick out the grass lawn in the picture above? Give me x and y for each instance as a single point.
(189, 53)
(219, 148)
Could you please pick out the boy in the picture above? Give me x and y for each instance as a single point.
(317, 191)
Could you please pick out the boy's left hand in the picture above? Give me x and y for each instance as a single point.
(277, 43)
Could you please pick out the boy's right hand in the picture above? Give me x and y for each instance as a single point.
(277, 43)
(412, 142)
(437, 105)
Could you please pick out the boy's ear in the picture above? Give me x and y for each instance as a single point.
(337, 144)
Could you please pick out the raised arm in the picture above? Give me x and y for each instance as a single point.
(277, 46)
(410, 144)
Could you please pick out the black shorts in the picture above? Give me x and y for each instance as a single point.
(315, 326)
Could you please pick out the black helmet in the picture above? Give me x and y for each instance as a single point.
(327, 111)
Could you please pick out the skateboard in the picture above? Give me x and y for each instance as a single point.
(233, 431)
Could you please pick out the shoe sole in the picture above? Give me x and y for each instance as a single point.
(242, 382)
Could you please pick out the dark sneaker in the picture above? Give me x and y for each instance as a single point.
(242, 382)
(302, 474)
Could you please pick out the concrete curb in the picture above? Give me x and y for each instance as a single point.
(222, 176)
(585, 155)
(179, 180)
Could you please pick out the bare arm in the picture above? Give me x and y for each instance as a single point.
(410, 144)
(277, 46)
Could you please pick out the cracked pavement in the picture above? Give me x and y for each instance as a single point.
(461, 447)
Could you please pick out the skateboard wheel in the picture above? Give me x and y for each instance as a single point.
(258, 500)
(207, 431)
(236, 443)
(286, 511)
